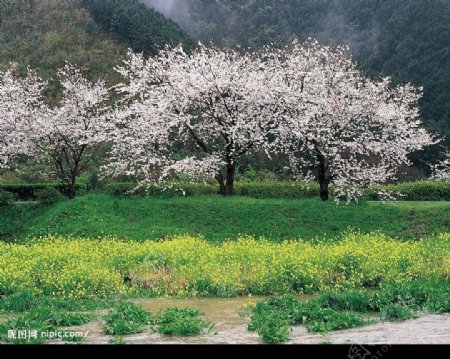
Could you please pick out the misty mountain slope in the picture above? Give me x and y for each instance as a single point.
(142, 28)
(44, 34)
(407, 40)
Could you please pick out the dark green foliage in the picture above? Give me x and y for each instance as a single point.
(428, 294)
(6, 198)
(408, 191)
(60, 318)
(25, 322)
(393, 312)
(29, 191)
(336, 321)
(273, 327)
(41, 319)
(129, 318)
(126, 318)
(356, 300)
(273, 317)
(413, 191)
(333, 310)
(26, 301)
(19, 302)
(143, 29)
(46, 34)
(181, 322)
(217, 218)
(48, 195)
(184, 190)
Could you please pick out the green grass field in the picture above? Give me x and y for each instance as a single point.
(217, 218)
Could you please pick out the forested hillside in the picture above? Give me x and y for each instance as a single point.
(408, 40)
(44, 34)
(142, 28)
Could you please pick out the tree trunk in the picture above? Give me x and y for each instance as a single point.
(231, 169)
(219, 178)
(324, 178)
(71, 188)
(226, 182)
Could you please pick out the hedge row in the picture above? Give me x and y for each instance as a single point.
(273, 189)
(29, 191)
(411, 191)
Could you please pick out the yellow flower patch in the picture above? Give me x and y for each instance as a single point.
(84, 268)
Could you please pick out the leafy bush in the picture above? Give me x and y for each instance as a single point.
(42, 319)
(182, 322)
(48, 195)
(336, 310)
(127, 318)
(26, 301)
(410, 191)
(6, 198)
(27, 191)
(273, 328)
(188, 189)
(333, 320)
(395, 311)
(266, 189)
(19, 302)
(350, 300)
(413, 191)
(272, 318)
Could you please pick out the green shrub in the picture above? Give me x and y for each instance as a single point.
(272, 329)
(412, 191)
(42, 319)
(25, 301)
(181, 322)
(336, 310)
(126, 318)
(48, 195)
(187, 189)
(266, 189)
(19, 302)
(27, 191)
(6, 198)
(333, 320)
(395, 311)
(352, 300)
(25, 322)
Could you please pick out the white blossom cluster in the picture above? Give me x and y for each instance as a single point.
(196, 114)
(306, 100)
(441, 171)
(20, 100)
(354, 130)
(63, 134)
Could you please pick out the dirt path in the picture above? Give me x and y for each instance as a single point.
(429, 329)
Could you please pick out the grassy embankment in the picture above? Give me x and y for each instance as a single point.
(216, 218)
